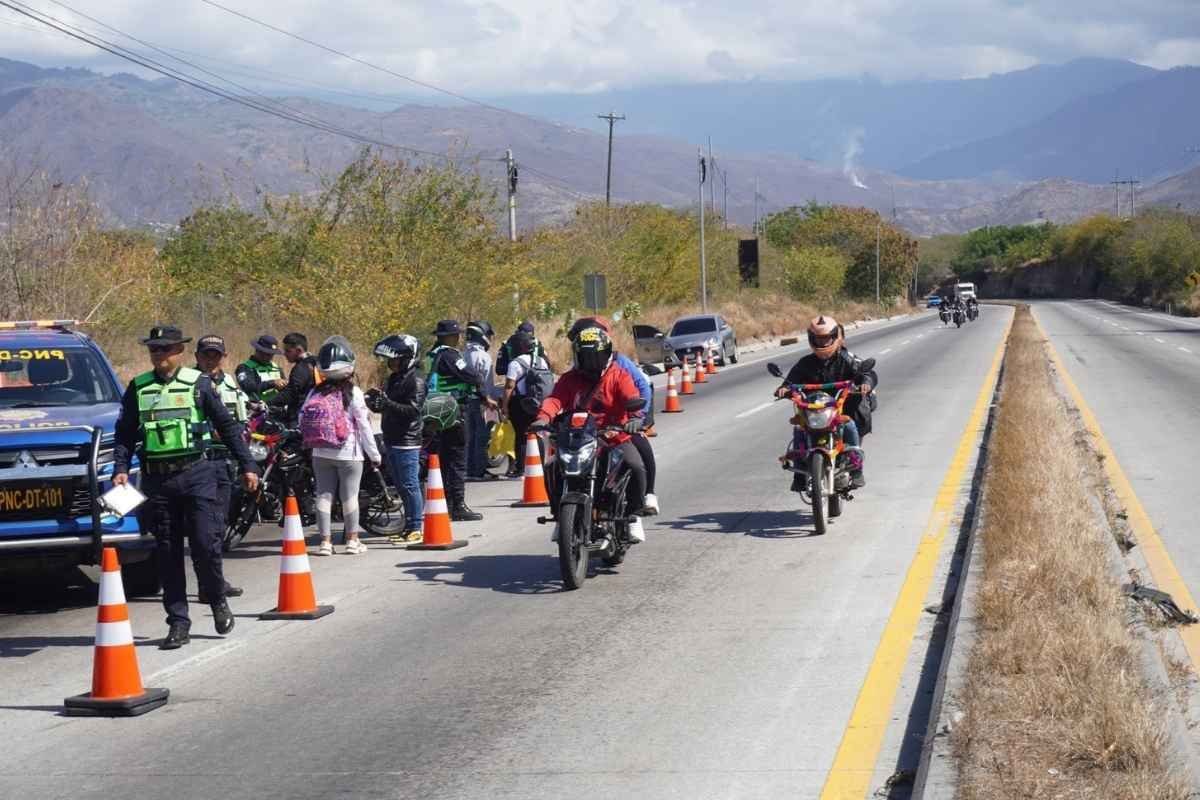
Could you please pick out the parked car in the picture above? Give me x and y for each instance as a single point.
(59, 402)
(652, 347)
(701, 333)
(933, 301)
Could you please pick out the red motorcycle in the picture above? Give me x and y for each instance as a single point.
(818, 453)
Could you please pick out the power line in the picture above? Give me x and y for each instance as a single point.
(357, 60)
(197, 83)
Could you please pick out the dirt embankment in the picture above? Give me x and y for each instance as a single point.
(1055, 700)
(1048, 279)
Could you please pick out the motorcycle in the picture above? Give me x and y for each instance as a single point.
(822, 459)
(944, 314)
(960, 316)
(590, 474)
(972, 312)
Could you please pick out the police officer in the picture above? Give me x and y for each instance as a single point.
(448, 373)
(479, 363)
(172, 412)
(259, 376)
(210, 359)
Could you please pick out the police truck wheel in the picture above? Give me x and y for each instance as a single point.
(140, 578)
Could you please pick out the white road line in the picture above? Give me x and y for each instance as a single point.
(215, 652)
(1160, 341)
(1115, 325)
(906, 341)
(885, 352)
(1140, 333)
(754, 410)
(1184, 349)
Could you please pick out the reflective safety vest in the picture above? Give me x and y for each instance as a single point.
(266, 372)
(445, 383)
(233, 398)
(172, 422)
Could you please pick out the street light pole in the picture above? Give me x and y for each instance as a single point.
(611, 117)
(878, 234)
(703, 258)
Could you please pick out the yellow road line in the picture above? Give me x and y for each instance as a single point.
(1162, 568)
(850, 776)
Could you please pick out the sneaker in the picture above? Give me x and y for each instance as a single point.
(414, 537)
(355, 547)
(651, 507)
(857, 481)
(637, 534)
(326, 548)
(397, 538)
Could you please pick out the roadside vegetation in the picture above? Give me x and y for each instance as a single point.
(1153, 258)
(386, 245)
(1054, 701)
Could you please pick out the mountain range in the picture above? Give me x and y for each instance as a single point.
(960, 151)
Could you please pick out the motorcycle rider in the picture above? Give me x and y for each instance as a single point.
(830, 362)
(646, 392)
(449, 374)
(479, 362)
(597, 385)
(508, 351)
(400, 403)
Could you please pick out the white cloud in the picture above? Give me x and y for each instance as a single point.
(511, 46)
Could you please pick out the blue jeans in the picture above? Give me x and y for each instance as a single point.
(477, 439)
(406, 473)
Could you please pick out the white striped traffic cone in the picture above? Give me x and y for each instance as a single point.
(116, 681)
(435, 532)
(534, 493)
(297, 599)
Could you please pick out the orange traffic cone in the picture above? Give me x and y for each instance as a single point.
(435, 532)
(297, 599)
(712, 364)
(673, 405)
(701, 375)
(686, 388)
(534, 493)
(116, 681)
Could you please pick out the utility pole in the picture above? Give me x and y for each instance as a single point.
(512, 195)
(712, 163)
(878, 236)
(703, 257)
(757, 233)
(1117, 183)
(725, 201)
(611, 117)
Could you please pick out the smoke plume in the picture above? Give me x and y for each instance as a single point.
(850, 156)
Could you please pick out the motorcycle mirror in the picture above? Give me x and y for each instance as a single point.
(637, 404)
(867, 366)
(774, 369)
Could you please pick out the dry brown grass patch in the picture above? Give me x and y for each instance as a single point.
(1055, 702)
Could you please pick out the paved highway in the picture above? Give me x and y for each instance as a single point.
(732, 655)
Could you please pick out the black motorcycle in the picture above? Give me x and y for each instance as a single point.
(944, 314)
(589, 480)
(960, 316)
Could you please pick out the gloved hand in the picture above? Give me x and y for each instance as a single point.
(634, 425)
(782, 392)
(374, 400)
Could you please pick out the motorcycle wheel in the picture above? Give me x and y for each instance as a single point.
(820, 492)
(382, 512)
(958, 323)
(239, 522)
(572, 546)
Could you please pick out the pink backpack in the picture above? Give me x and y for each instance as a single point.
(324, 421)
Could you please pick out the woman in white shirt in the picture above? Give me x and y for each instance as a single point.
(518, 405)
(339, 469)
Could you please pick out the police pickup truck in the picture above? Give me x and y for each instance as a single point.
(59, 401)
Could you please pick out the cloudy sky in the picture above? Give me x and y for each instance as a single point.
(519, 46)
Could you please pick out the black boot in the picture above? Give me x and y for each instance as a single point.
(177, 636)
(222, 616)
(857, 481)
(230, 591)
(460, 513)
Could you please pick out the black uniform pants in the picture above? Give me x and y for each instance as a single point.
(451, 447)
(185, 506)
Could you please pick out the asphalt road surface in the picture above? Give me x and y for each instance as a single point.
(732, 656)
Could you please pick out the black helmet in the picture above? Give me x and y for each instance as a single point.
(398, 345)
(336, 358)
(593, 351)
(481, 331)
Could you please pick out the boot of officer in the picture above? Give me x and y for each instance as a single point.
(210, 359)
(449, 373)
(173, 412)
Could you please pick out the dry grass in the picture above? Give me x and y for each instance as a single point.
(1055, 702)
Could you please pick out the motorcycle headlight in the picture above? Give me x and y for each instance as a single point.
(258, 451)
(576, 462)
(820, 419)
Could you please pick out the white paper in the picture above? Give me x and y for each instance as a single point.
(123, 499)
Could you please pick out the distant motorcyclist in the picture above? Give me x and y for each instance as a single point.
(597, 385)
(830, 362)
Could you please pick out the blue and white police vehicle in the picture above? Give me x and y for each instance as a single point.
(59, 402)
